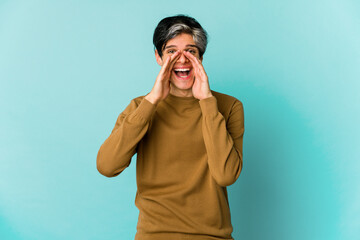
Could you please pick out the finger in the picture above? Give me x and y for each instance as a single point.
(199, 69)
(173, 60)
(167, 64)
(194, 60)
(165, 71)
(168, 61)
(175, 55)
(164, 66)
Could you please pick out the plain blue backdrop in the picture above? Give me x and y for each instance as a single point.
(68, 68)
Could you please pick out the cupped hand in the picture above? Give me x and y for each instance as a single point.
(161, 87)
(201, 87)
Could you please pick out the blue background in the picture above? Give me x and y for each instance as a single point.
(68, 68)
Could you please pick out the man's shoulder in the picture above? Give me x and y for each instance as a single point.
(137, 100)
(132, 105)
(224, 99)
(226, 103)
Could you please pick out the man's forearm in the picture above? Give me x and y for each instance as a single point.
(224, 148)
(116, 152)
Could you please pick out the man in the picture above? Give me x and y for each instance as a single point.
(188, 141)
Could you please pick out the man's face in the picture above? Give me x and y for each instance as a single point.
(182, 75)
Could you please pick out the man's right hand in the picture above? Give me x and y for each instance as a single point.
(162, 84)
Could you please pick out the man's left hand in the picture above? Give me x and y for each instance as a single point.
(200, 88)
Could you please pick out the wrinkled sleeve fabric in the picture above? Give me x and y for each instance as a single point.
(132, 124)
(223, 140)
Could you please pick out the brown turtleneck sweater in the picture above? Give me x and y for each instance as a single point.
(188, 151)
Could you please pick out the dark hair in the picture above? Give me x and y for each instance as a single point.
(170, 27)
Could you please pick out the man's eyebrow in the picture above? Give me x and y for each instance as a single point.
(169, 46)
(189, 45)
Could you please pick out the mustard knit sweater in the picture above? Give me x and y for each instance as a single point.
(188, 151)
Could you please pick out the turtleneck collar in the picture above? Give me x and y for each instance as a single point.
(182, 100)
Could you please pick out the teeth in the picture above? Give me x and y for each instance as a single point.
(182, 69)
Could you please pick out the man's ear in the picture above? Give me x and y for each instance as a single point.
(201, 59)
(158, 58)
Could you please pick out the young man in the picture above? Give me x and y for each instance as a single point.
(188, 141)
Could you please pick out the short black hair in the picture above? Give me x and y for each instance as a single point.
(170, 27)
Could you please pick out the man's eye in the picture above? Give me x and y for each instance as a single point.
(192, 51)
(171, 51)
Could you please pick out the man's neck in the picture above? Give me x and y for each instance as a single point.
(180, 92)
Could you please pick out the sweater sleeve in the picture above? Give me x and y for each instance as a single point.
(223, 141)
(132, 124)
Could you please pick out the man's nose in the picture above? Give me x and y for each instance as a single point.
(182, 58)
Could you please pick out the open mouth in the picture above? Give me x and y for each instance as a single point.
(183, 73)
